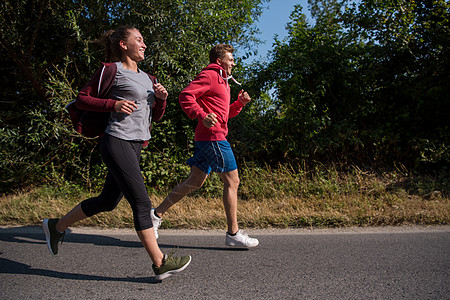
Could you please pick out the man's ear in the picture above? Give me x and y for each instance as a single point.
(218, 61)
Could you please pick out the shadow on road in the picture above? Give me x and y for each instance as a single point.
(34, 235)
(13, 267)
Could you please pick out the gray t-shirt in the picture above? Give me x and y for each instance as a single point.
(137, 87)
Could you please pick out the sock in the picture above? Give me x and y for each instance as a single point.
(232, 234)
(154, 212)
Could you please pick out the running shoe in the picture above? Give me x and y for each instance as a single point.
(156, 221)
(52, 235)
(241, 239)
(172, 265)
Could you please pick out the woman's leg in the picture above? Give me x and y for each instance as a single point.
(148, 240)
(106, 201)
(75, 215)
(122, 159)
(124, 178)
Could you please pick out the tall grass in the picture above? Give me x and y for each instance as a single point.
(268, 197)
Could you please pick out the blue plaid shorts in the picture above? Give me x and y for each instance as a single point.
(215, 156)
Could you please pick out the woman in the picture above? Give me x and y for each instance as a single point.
(133, 99)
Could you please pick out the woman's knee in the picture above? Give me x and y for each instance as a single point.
(97, 205)
(109, 206)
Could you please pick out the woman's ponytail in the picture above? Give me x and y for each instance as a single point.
(110, 41)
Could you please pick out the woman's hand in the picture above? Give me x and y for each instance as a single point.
(160, 91)
(125, 106)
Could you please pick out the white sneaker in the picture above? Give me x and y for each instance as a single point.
(156, 221)
(241, 239)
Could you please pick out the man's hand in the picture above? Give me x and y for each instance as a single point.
(125, 106)
(210, 120)
(244, 97)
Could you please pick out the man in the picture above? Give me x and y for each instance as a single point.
(207, 98)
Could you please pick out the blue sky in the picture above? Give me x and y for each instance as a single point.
(273, 21)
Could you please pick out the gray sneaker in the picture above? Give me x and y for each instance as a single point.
(156, 221)
(172, 265)
(52, 235)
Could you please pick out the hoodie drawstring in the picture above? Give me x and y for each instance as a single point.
(229, 77)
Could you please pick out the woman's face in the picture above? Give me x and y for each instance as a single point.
(134, 46)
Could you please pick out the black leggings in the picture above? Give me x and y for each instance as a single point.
(124, 178)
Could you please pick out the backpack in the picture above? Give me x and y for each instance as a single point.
(91, 124)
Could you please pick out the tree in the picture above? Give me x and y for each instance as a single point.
(47, 53)
(405, 70)
(365, 83)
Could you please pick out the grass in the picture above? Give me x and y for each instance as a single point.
(282, 197)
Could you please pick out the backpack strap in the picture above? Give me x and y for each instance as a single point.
(153, 79)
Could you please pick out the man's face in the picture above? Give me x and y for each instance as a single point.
(227, 63)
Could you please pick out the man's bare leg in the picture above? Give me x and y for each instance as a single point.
(234, 237)
(194, 181)
(230, 188)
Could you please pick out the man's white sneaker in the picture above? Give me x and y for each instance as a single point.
(156, 221)
(241, 239)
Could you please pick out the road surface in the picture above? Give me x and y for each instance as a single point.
(353, 263)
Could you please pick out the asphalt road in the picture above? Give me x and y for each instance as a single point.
(364, 263)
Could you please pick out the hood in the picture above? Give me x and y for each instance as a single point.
(214, 66)
(221, 71)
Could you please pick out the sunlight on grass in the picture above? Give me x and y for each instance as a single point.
(281, 197)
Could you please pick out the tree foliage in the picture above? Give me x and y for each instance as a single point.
(363, 82)
(48, 52)
(366, 83)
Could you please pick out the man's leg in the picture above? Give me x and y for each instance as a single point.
(230, 188)
(234, 236)
(194, 181)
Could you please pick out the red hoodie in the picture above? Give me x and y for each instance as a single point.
(209, 92)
